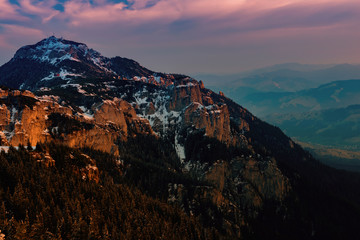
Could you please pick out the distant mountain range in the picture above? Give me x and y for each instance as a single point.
(314, 104)
(326, 115)
(123, 152)
(289, 77)
(334, 156)
(336, 94)
(269, 85)
(337, 128)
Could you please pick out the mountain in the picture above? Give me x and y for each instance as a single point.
(33, 66)
(335, 157)
(337, 94)
(289, 96)
(337, 127)
(287, 77)
(281, 78)
(296, 77)
(137, 153)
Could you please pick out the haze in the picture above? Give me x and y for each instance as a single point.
(187, 36)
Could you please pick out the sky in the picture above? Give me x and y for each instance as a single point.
(192, 36)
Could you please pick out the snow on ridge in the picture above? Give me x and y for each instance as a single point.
(186, 85)
(14, 113)
(63, 74)
(161, 118)
(75, 85)
(86, 114)
(49, 98)
(55, 50)
(51, 76)
(180, 150)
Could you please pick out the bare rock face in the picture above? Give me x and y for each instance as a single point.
(25, 119)
(218, 174)
(184, 94)
(201, 83)
(253, 178)
(90, 172)
(43, 158)
(214, 119)
(98, 138)
(112, 121)
(122, 115)
(111, 112)
(4, 116)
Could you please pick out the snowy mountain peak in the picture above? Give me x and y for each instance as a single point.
(48, 62)
(55, 50)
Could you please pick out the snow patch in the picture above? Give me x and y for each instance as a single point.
(64, 74)
(86, 113)
(186, 85)
(180, 150)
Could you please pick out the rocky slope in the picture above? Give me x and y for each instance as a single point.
(27, 119)
(55, 59)
(82, 99)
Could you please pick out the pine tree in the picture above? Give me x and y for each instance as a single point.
(29, 147)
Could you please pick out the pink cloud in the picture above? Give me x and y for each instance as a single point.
(42, 9)
(8, 12)
(240, 14)
(13, 35)
(221, 13)
(172, 27)
(4, 43)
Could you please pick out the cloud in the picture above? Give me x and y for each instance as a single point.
(174, 28)
(8, 12)
(15, 35)
(244, 15)
(41, 9)
(210, 16)
(302, 16)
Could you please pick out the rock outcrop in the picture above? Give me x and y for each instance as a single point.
(183, 94)
(27, 119)
(214, 119)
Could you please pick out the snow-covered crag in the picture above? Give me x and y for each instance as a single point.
(55, 59)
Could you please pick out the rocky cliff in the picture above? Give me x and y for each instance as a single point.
(27, 119)
(236, 163)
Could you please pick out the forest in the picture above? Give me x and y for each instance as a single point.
(56, 202)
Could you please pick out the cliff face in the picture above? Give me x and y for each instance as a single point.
(25, 118)
(183, 94)
(233, 156)
(175, 108)
(214, 119)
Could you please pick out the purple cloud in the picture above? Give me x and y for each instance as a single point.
(165, 34)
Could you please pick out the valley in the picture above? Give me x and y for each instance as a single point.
(316, 105)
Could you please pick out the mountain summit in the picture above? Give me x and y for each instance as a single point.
(56, 58)
(55, 50)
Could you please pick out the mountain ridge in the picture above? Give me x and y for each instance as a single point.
(282, 77)
(173, 139)
(58, 58)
